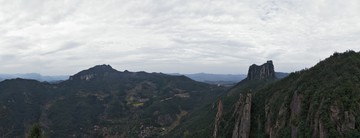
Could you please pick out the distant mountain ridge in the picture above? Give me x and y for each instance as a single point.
(217, 79)
(223, 79)
(202, 77)
(33, 76)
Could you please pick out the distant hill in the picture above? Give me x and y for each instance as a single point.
(281, 75)
(33, 76)
(203, 77)
(217, 79)
(223, 79)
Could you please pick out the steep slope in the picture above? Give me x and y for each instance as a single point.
(230, 114)
(102, 102)
(20, 105)
(238, 101)
(322, 101)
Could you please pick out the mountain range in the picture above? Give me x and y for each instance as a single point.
(101, 102)
(218, 79)
(321, 101)
(223, 79)
(33, 76)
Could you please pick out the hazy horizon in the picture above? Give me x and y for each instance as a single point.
(173, 73)
(191, 73)
(173, 36)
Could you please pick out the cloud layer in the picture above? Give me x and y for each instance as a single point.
(55, 37)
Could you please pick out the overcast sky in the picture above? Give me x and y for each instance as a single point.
(56, 37)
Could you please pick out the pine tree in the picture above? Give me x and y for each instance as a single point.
(35, 131)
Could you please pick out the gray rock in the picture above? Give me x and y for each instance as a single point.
(264, 71)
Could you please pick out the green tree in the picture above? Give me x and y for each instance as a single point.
(35, 131)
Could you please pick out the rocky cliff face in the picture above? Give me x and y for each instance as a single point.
(241, 106)
(340, 123)
(218, 118)
(265, 71)
(273, 126)
(242, 112)
(291, 110)
(242, 119)
(319, 102)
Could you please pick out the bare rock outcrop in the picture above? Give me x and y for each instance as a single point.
(218, 118)
(348, 123)
(345, 123)
(242, 117)
(265, 71)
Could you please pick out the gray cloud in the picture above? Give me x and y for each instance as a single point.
(62, 37)
(64, 47)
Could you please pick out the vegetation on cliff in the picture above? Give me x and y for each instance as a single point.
(322, 101)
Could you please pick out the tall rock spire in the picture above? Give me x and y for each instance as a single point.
(263, 72)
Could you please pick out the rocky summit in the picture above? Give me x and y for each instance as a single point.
(96, 71)
(264, 71)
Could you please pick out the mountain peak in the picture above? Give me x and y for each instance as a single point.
(103, 67)
(264, 71)
(98, 70)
